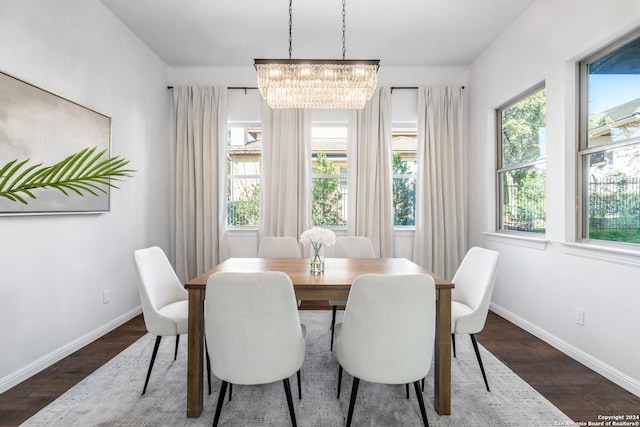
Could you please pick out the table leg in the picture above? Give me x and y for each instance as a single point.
(442, 362)
(195, 352)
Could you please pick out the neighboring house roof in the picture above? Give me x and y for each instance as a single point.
(625, 110)
(620, 115)
(329, 146)
(254, 147)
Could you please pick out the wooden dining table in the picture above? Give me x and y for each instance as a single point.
(334, 283)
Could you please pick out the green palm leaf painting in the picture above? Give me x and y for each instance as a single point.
(81, 173)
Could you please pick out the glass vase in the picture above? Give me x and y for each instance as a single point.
(317, 258)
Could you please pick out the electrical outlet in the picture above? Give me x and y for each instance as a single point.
(579, 315)
(106, 296)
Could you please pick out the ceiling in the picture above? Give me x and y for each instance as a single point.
(200, 33)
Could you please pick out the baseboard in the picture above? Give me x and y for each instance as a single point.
(44, 362)
(607, 371)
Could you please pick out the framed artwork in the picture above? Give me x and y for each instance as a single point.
(44, 128)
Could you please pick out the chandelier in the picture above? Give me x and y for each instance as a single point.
(317, 83)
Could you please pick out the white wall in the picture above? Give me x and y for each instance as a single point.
(246, 107)
(540, 283)
(53, 269)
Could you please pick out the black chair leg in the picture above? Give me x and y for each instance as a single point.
(223, 391)
(287, 391)
(153, 359)
(453, 343)
(299, 384)
(230, 391)
(339, 380)
(333, 323)
(206, 353)
(175, 354)
(352, 401)
(475, 347)
(423, 384)
(406, 386)
(420, 403)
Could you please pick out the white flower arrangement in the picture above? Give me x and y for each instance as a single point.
(318, 236)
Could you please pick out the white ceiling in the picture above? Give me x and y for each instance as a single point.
(197, 33)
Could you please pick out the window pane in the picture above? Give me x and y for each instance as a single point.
(329, 201)
(523, 130)
(404, 201)
(243, 201)
(522, 170)
(244, 149)
(614, 96)
(523, 199)
(611, 157)
(329, 175)
(404, 145)
(613, 195)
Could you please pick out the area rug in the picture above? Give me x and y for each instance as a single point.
(111, 396)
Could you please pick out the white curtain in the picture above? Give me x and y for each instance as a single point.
(201, 131)
(370, 174)
(440, 236)
(286, 172)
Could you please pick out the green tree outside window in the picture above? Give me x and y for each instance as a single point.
(327, 199)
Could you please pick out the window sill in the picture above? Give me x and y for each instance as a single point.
(605, 253)
(404, 229)
(518, 240)
(241, 230)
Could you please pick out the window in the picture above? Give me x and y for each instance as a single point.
(404, 146)
(329, 175)
(521, 171)
(244, 148)
(609, 149)
(329, 179)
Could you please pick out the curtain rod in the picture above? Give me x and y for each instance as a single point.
(246, 88)
(406, 87)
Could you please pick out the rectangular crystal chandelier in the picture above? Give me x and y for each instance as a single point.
(317, 83)
(293, 83)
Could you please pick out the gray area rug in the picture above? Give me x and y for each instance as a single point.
(111, 396)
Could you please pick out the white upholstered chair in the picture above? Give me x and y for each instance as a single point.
(164, 300)
(348, 247)
(279, 247)
(387, 335)
(471, 296)
(252, 322)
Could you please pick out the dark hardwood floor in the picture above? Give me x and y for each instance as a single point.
(579, 392)
(24, 400)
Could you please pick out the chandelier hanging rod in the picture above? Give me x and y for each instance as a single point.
(343, 61)
(318, 61)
